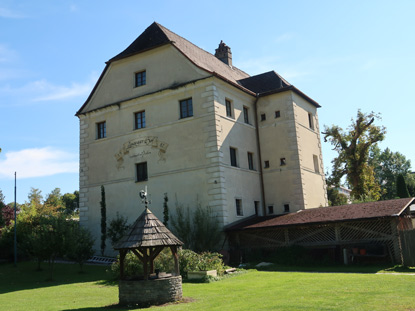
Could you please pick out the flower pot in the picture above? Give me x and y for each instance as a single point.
(362, 251)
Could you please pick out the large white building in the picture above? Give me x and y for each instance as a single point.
(170, 116)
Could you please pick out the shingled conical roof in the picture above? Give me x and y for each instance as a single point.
(148, 231)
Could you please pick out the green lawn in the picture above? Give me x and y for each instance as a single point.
(23, 288)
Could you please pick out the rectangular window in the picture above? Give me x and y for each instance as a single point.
(270, 209)
(186, 108)
(310, 121)
(229, 109)
(246, 115)
(141, 171)
(286, 208)
(283, 162)
(140, 78)
(140, 120)
(238, 204)
(256, 205)
(316, 166)
(277, 114)
(266, 164)
(263, 117)
(251, 161)
(101, 130)
(234, 160)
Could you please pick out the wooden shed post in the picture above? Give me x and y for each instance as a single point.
(176, 259)
(123, 253)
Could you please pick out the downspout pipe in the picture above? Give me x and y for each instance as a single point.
(261, 175)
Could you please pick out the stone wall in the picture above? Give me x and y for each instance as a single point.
(151, 292)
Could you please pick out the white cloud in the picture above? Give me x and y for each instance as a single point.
(6, 13)
(57, 92)
(44, 91)
(37, 162)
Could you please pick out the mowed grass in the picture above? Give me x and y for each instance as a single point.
(23, 288)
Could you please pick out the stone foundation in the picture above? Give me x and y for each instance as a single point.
(151, 292)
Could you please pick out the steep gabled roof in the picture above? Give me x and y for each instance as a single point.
(156, 35)
(368, 210)
(148, 231)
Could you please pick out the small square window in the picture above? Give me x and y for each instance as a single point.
(239, 210)
(286, 208)
(246, 115)
(186, 108)
(140, 120)
(101, 130)
(263, 117)
(229, 110)
(270, 209)
(234, 160)
(140, 78)
(283, 162)
(266, 164)
(277, 114)
(251, 161)
(141, 171)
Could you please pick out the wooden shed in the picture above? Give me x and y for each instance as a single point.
(354, 231)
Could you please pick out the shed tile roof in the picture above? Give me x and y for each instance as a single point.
(148, 231)
(367, 210)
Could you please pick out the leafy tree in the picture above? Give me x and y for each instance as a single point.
(387, 166)
(353, 151)
(54, 199)
(7, 214)
(2, 204)
(410, 183)
(401, 189)
(70, 201)
(335, 197)
(81, 243)
(103, 220)
(117, 228)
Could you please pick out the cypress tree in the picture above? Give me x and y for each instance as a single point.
(165, 210)
(401, 188)
(103, 220)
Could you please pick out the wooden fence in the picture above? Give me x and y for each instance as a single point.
(408, 247)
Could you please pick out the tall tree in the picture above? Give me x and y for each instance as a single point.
(55, 198)
(387, 166)
(2, 204)
(401, 189)
(353, 151)
(35, 197)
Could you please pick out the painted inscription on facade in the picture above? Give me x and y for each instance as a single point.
(134, 148)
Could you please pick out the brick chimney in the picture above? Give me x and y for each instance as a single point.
(223, 52)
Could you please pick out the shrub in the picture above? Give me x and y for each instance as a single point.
(200, 231)
(117, 228)
(188, 260)
(80, 244)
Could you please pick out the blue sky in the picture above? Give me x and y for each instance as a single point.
(346, 55)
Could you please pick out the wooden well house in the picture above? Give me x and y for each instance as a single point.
(147, 237)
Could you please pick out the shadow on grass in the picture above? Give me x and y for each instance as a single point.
(117, 307)
(25, 276)
(354, 268)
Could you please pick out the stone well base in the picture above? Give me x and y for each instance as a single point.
(151, 292)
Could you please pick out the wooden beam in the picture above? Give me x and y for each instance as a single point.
(176, 259)
(123, 253)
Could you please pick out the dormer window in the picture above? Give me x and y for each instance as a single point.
(140, 78)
